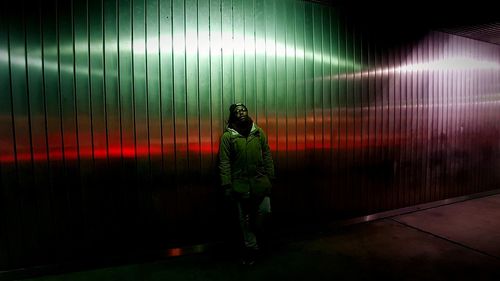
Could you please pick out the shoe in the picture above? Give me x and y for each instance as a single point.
(249, 257)
(248, 262)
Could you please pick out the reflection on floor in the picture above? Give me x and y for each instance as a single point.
(459, 241)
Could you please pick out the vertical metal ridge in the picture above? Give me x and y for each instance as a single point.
(46, 200)
(233, 75)
(419, 123)
(287, 69)
(118, 78)
(296, 109)
(61, 111)
(333, 56)
(434, 108)
(244, 82)
(160, 88)
(446, 132)
(174, 123)
(12, 101)
(6, 133)
(104, 86)
(89, 81)
(147, 90)
(132, 70)
(43, 92)
(186, 112)
(74, 83)
(198, 86)
(427, 125)
(254, 28)
(27, 91)
(275, 85)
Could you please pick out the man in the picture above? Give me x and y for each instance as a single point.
(246, 170)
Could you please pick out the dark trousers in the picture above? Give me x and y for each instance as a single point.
(252, 215)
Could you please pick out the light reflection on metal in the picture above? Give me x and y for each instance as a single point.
(449, 64)
(187, 250)
(198, 48)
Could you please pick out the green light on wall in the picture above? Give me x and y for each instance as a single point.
(144, 74)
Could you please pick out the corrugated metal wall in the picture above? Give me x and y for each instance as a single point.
(111, 112)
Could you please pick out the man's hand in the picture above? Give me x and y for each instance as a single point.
(228, 191)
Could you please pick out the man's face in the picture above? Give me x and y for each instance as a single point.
(241, 113)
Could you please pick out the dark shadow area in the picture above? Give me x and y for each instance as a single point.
(415, 246)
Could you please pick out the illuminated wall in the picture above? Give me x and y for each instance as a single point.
(111, 112)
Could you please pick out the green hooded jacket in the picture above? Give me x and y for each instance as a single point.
(245, 164)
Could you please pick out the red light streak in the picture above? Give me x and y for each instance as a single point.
(130, 152)
(142, 149)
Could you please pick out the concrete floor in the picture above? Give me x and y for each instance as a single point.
(460, 241)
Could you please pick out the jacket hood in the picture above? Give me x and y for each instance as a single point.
(235, 133)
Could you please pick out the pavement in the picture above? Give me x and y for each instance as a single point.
(459, 241)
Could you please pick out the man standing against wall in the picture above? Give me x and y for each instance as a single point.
(246, 169)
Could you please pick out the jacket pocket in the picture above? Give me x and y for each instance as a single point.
(261, 185)
(236, 174)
